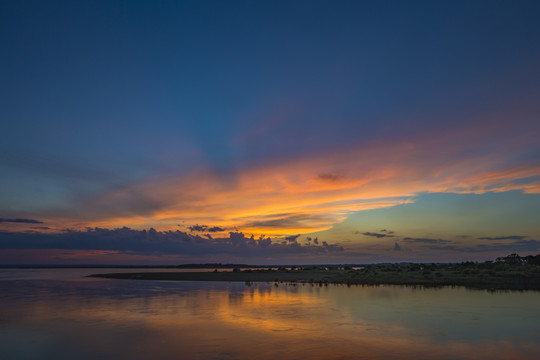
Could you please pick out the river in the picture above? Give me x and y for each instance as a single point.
(60, 314)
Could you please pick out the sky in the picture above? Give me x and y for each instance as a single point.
(268, 132)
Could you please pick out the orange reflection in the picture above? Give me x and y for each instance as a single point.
(265, 323)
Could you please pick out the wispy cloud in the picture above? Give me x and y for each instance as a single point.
(517, 246)
(21, 221)
(313, 191)
(214, 229)
(330, 177)
(426, 240)
(511, 237)
(377, 235)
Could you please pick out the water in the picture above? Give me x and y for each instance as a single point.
(59, 314)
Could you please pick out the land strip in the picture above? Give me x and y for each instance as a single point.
(487, 275)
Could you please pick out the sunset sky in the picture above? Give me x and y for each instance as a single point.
(268, 132)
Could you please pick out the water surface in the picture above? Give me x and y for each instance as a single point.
(59, 314)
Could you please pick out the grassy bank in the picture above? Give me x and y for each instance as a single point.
(511, 273)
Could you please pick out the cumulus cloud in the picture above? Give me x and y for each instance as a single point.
(315, 240)
(197, 227)
(205, 228)
(152, 241)
(292, 238)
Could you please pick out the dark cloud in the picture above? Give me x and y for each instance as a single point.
(330, 247)
(161, 242)
(205, 228)
(377, 235)
(397, 247)
(197, 227)
(511, 237)
(292, 238)
(426, 240)
(315, 240)
(40, 227)
(215, 229)
(330, 177)
(264, 242)
(25, 221)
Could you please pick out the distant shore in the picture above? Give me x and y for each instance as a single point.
(473, 275)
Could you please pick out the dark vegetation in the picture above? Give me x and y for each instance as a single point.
(509, 272)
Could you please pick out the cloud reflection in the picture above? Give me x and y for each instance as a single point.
(133, 320)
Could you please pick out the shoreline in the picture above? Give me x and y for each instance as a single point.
(374, 275)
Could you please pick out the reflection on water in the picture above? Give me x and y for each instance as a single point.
(125, 319)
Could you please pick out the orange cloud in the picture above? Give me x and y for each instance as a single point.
(311, 193)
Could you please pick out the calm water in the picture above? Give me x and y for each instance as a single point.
(58, 314)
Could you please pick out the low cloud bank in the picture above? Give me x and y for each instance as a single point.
(162, 242)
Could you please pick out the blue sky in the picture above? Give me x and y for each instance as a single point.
(270, 118)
